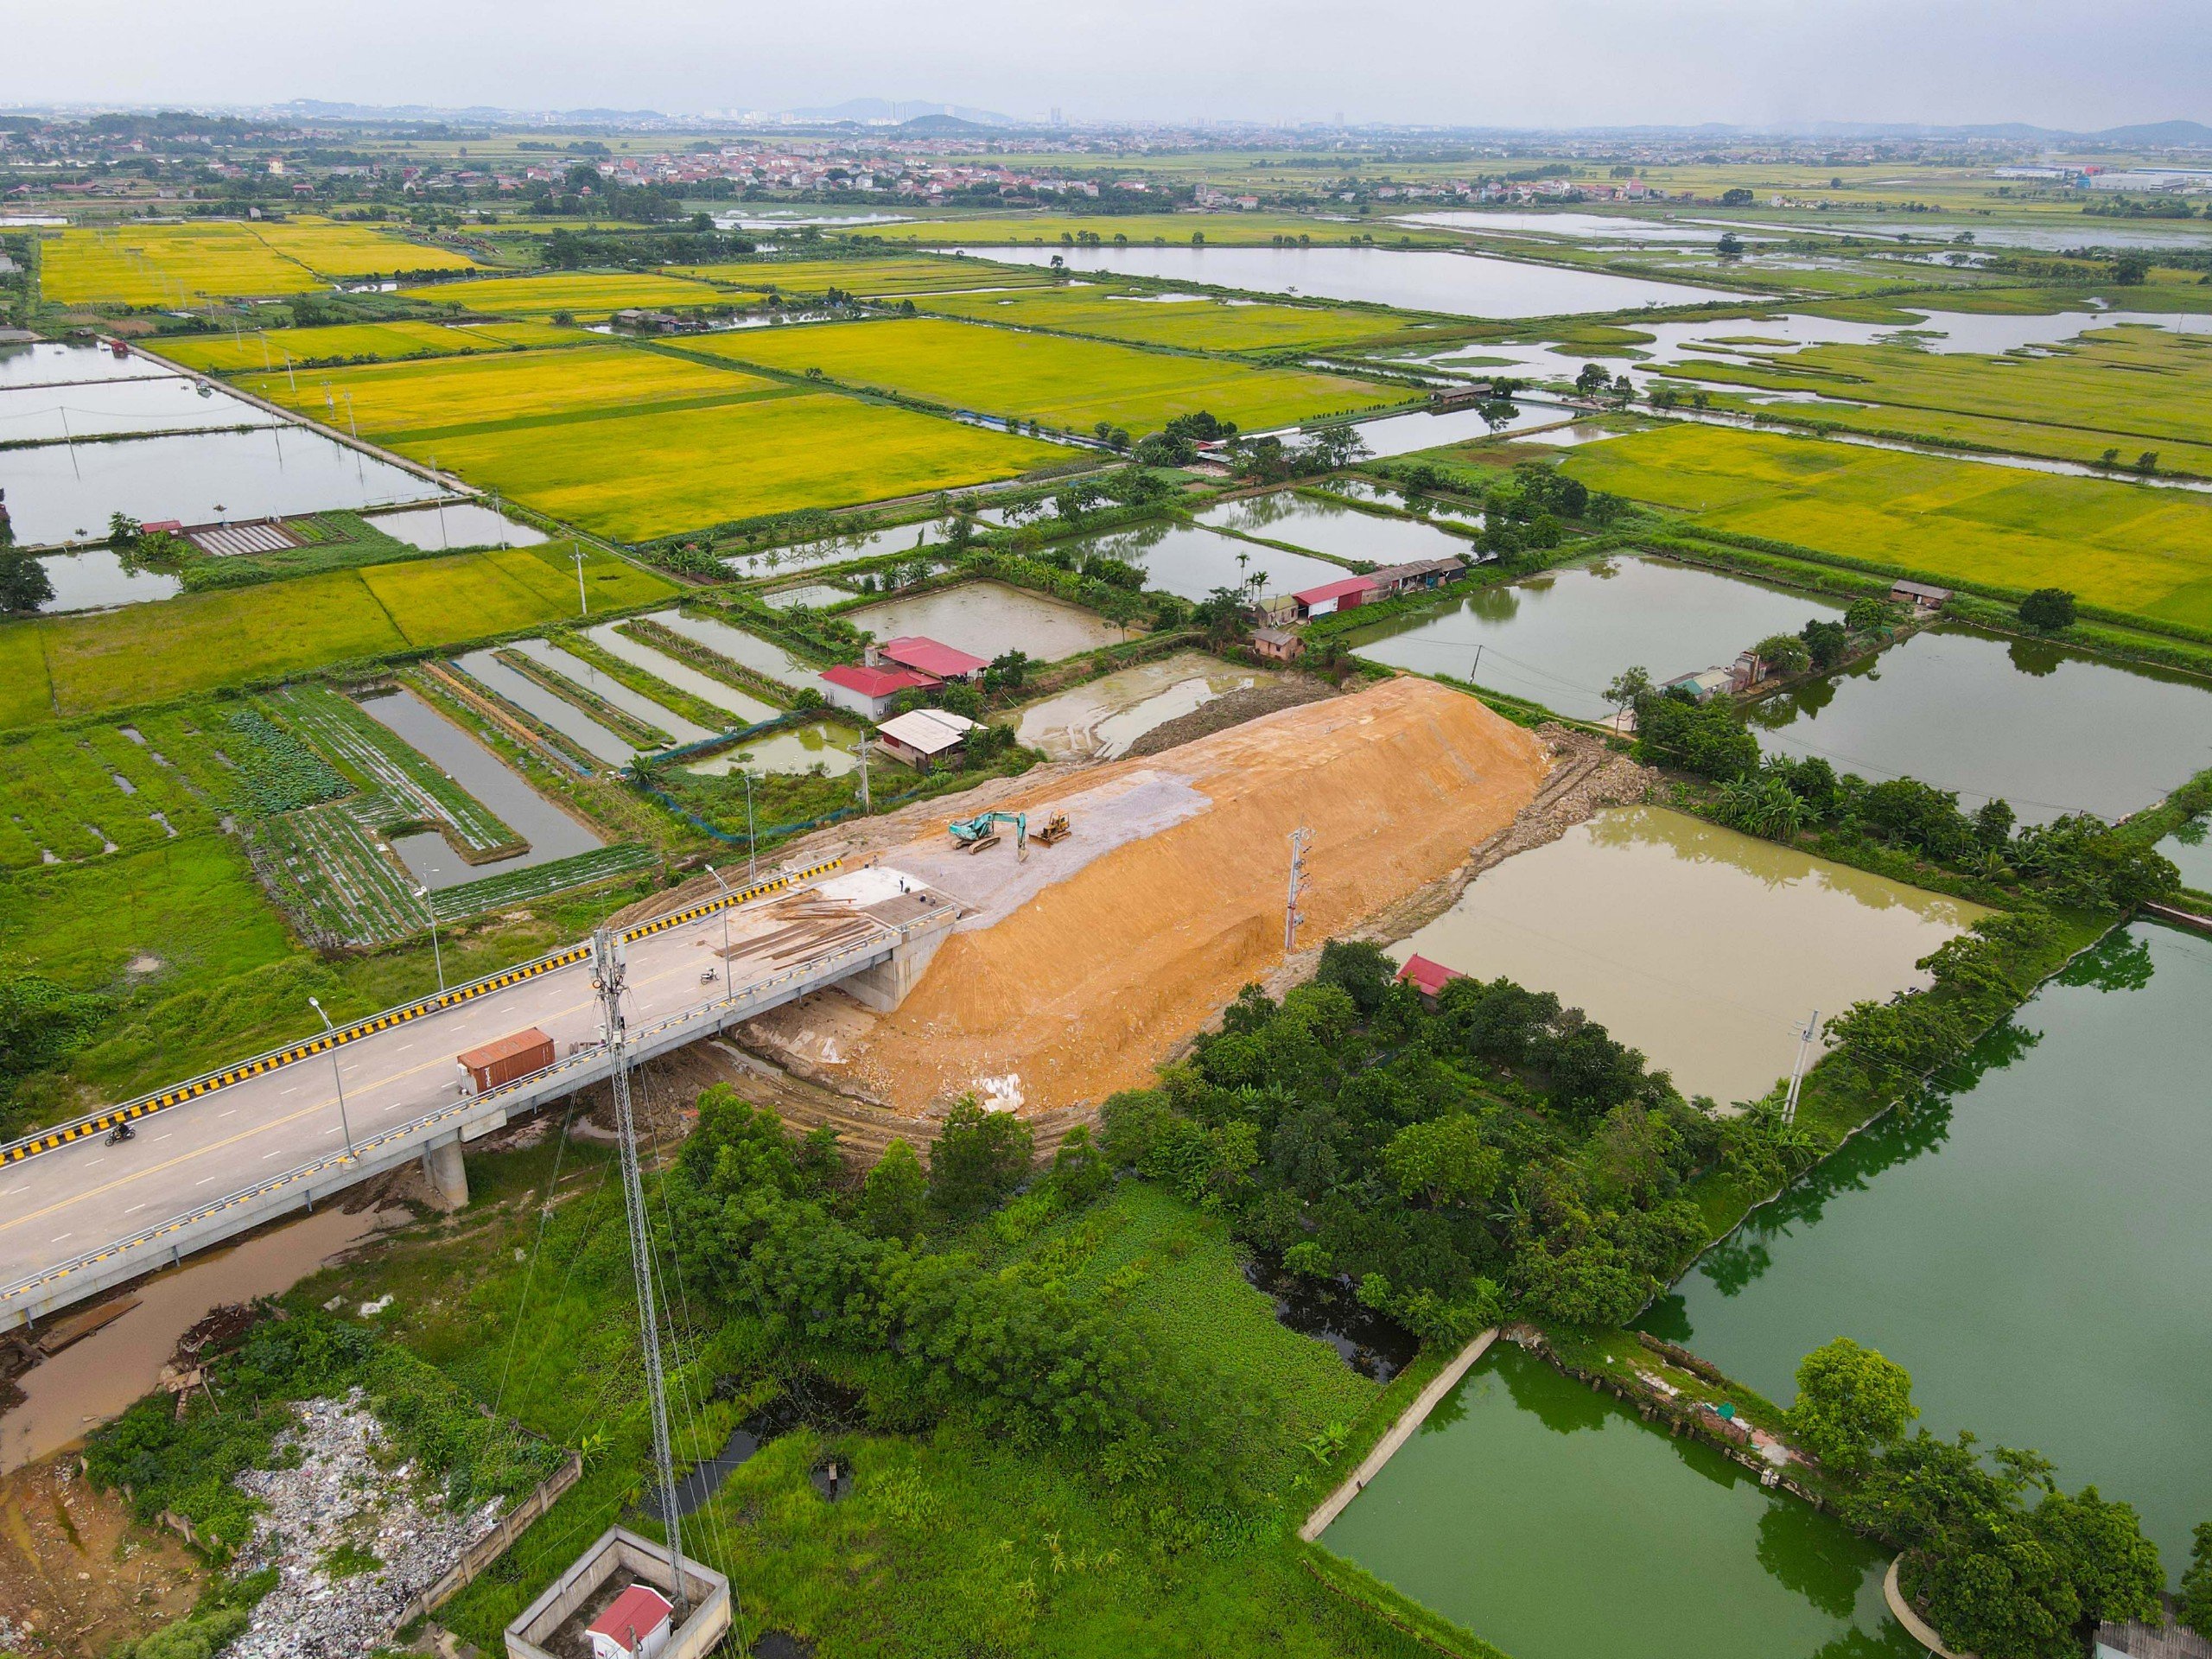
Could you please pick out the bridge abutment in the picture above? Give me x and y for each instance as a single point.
(447, 1175)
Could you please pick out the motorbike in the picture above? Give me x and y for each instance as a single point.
(121, 1132)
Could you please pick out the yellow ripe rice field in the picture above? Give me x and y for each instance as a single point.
(264, 351)
(1063, 383)
(636, 475)
(924, 273)
(144, 265)
(407, 402)
(67, 666)
(2123, 547)
(347, 251)
(592, 296)
(1197, 324)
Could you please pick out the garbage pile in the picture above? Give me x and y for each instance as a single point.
(353, 1539)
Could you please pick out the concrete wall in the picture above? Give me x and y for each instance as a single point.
(638, 1562)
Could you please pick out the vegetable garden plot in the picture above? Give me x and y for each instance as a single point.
(322, 864)
(357, 743)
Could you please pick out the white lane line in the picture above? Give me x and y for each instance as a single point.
(12, 1191)
(294, 1090)
(211, 1177)
(58, 1238)
(266, 1156)
(165, 1135)
(136, 1208)
(227, 1114)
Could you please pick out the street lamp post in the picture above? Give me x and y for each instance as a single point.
(437, 955)
(345, 1127)
(583, 608)
(724, 886)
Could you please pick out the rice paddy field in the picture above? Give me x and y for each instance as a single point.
(1229, 230)
(1195, 323)
(592, 296)
(65, 666)
(920, 273)
(340, 251)
(1031, 377)
(636, 475)
(262, 352)
(2124, 547)
(140, 265)
(407, 403)
(2130, 388)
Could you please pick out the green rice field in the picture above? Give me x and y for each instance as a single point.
(1207, 325)
(411, 403)
(263, 351)
(1063, 383)
(913, 273)
(636, 475)
(2124, 547)
(201, 642)
(591, 296)
(2129, 389)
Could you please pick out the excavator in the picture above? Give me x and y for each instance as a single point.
(974, 835)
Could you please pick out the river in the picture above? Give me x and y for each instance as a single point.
(2030, 1241)
(1553, 1521)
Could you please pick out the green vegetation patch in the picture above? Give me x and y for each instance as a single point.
(590, 296)
(2121, 547)
(1065, 383)
(1207, 325)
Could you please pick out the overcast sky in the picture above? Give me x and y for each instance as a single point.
(1475, 62)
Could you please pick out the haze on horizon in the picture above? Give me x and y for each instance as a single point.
(1565, 63)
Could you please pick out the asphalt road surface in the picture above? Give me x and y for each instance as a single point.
(86, 1194)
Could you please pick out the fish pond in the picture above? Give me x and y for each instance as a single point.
(429, 856)
(66, 491)
(988, 620)
(2050, 730)
(1558, 638)
(824, 743)
(1703, 948)
(1340, 532)
(457, 523)
(2029, 1238)
(1099, 719)
(1556, 1523)
(745, 709)
(96, 579)
(835, 549)
(77, 411)
(1191, 560)
(1459, 284)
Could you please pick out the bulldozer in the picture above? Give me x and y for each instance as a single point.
(973, 834)
(1055, 831)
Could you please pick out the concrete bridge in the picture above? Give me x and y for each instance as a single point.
(218, 1154)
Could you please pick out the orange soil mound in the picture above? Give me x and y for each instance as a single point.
(1081, 990)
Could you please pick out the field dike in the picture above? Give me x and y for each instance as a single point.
(1076, 970)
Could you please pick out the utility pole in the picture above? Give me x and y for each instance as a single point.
(338, 1072)
(583, 607)
(437, 955)
(1477, 668)
(724, 886)
(1300, 839)
(860, 748)
(607, 968)
(1797, 1071)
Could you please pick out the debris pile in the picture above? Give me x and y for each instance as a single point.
(352, 1540)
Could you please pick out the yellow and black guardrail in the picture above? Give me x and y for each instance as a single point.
(275, 1059)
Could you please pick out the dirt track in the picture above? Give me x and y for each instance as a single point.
(1079, 970)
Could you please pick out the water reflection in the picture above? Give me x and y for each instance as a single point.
(1327, 1310)
(988, 620)
(2027, 720)
(2027, 1240)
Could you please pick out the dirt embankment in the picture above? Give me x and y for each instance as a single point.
(77, 1575)
(1078, 971)
(1231, 709)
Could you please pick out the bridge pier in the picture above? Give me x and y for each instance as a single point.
(447, 1175)
(884, 986)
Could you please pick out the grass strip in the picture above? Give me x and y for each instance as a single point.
(627, 727)
(708, 661)
(698, 710)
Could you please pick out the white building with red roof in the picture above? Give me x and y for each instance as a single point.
(634, 1626)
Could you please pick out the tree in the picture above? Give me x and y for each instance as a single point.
(1444, 1161)
(1737, 197)
(24, 585)
(978, 1158)
(2048, 610)
(1592, 380)
(1730, 246)
(894, 1193)
(1852, 1402)
(1826, 642)
(1078, 1173)
(1630, 686)
(122, 531)
(1783, 653)
(2197, 1583)
(2130, 269)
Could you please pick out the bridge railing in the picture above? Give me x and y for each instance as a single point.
(581, 1067)
(274, 1059)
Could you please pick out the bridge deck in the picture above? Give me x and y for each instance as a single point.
(263, 1144)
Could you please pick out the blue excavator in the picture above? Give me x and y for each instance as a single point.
(974, 835)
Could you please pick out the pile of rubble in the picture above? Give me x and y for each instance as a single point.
(340, 1501)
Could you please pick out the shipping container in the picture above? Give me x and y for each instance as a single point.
(502, 1061)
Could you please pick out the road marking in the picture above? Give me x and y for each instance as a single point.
(232, 1110)
(164, 1135)
(294, 1090)
(58, 1238)
(266, 1156)
(211, 1178)
(136, 1208)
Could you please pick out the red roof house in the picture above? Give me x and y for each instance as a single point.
(634, 1626)
(926, 655)
(1334, 596)
(1425, 976)
(868, 689)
